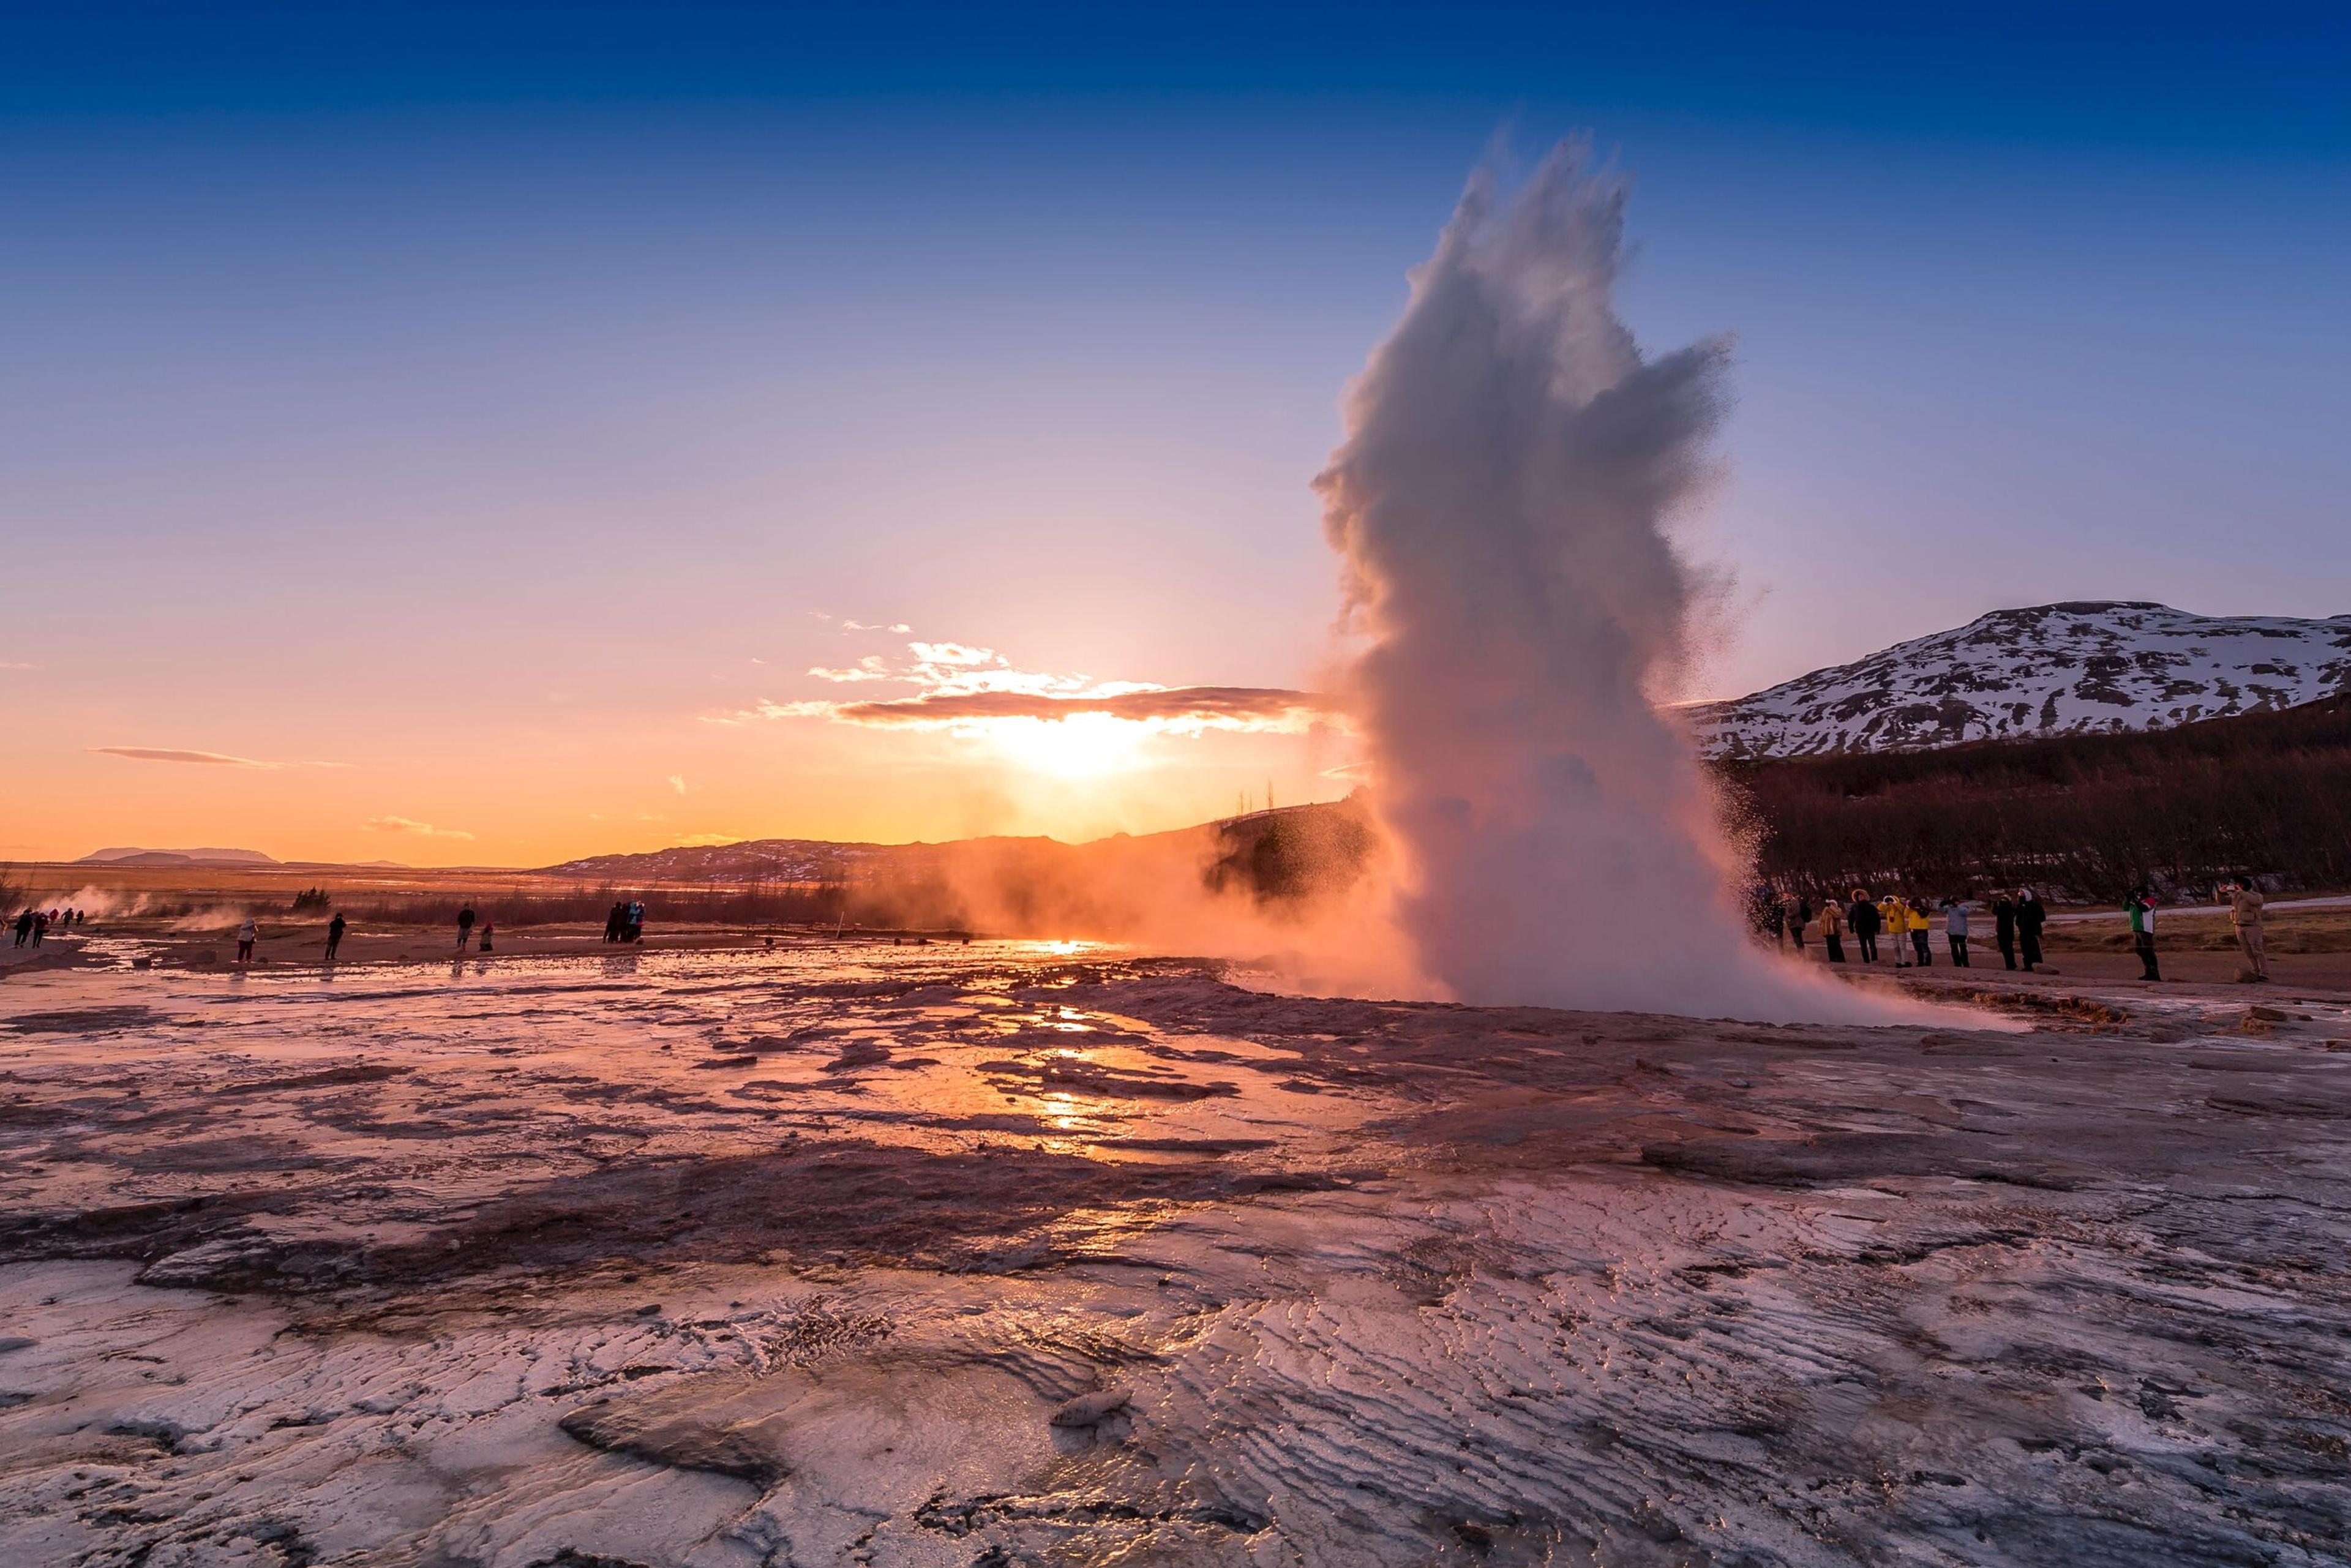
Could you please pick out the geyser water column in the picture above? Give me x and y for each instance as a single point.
(1501, 502)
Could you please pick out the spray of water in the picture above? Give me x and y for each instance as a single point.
(1500, 506)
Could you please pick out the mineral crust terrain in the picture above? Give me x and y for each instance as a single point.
(1023, 1253)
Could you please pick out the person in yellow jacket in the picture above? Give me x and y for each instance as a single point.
(1831, 930)
(1920, 921)
(1895, 915)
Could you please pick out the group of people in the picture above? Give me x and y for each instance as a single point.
(34, 924)
(1906, 924)
(626, 922)
(2017, 917)
(465, 930)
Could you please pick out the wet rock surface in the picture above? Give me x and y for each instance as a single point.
(1016, 1255)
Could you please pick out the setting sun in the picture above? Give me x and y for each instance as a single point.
(1082, 746)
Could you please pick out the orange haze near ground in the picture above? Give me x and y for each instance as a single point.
(496, 757)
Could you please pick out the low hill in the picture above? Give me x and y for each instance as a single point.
(2076, 668)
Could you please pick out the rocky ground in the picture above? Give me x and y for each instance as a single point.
(1018, 1254)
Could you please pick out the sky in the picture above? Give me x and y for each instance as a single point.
(464, 434)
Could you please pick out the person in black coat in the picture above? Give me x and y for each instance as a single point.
(1864, 919)
(2029, 917)
(2003, 926)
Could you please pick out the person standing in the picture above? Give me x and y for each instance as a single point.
(2003, 926)
(1894, 919)
(2245, 915)
(1922, 927)
(246, 935)
(2031, 916)
(1832, 930)
(40, 926)
(635, 929)
(1955, 930)
(25, 927)
(2141, 906)
(1800, 915)
(465, 926)
(1862, 916)
(334, 935)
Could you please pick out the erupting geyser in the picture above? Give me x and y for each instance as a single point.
(1500, 505)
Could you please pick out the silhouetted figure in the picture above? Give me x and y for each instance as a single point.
(40, 926)
(1800, 918)
(636, 921)
(2030, 918)
(465, 926)
(23, 928)
(2140, 905)
(334, 936)
(246, 935)
(488, 928)
(1864, 919)
(2003, 926)
(614, 918)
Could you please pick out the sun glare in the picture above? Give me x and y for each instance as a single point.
(1083, 746)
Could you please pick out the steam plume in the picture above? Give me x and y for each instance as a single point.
(1500, 504)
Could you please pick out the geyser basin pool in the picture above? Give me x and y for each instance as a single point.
(795, 1258)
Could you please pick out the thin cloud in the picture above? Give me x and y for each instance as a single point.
(412, 827)
(167, 754)
(1185, 707)
(16, 664)
(870, 668)
(201, 758)
(706, 840)
(677, 783)
(962, 686)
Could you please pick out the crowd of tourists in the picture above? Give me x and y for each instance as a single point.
(1898, 928)
(34, 926)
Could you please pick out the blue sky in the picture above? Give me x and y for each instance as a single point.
(600, 349)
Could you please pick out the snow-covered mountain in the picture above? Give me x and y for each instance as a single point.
(2058, 669)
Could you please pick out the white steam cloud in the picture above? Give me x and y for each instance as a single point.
(1500, 506)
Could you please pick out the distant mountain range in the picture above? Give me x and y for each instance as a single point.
(2078, 668)
(132, 855)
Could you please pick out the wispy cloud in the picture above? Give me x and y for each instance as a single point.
(16, 664)
(167, 754)
(872, 668)
(704, 840)
(1184, 709)
(899, 627)
(203, 759)
(965, 687)
(677, 783)
(412, 827)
